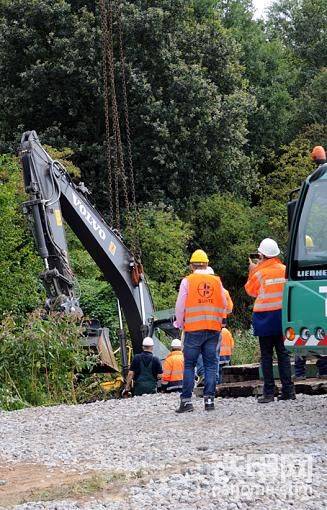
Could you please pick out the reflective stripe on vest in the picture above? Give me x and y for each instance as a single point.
(208, 307)
(227, 343)
(202, 317)
(173, 367)
(174, 373)
(205, 305)
(268, 295)
(272, 279)
(262, 307)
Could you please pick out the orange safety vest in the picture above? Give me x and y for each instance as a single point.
(205, 305)
(173, 367)
(230, 304)
(227, 342)
(266, 283)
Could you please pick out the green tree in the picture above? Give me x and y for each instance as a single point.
(188, 99)
(48, 77)
(272, 73)
(39, 359)
(187, 92)
(291, 168)
(225, 227)
(164, 239)
(312, 103)
(20, 290)
(302, 25)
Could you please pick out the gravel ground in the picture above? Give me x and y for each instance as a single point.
(242, 455)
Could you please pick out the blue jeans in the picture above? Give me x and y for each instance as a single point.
(200, 366)
(196, 343)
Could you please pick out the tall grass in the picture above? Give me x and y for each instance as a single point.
(39, 359)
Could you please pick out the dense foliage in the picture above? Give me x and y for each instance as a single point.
(19, 265)
(39, 359)
(224, 110)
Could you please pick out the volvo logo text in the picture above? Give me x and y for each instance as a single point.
(88, 216)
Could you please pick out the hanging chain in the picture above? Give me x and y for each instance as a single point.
(114, 111)
(125, 107)
(135, 231)
(114, 148)
(105, 39)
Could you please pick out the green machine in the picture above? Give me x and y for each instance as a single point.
(305, 293)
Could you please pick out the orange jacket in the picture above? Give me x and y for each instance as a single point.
(266, 283)
(227, 343)
(205, 305)
(173, 367)
(230, 304)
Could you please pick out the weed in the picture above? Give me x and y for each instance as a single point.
(246, 348)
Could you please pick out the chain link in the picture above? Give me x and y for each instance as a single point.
(105, 39)
(136, 226)
(114, 150)
(114, 111)
(125, 107)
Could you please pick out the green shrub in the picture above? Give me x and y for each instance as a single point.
(39, 359)
(164, 238)
(291, 168)
(246, 348)
(20, 289)
(225, 228)
(97, 298)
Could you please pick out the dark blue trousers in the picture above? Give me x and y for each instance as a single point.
(267, 346)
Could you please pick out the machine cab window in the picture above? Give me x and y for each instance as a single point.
(311, 242)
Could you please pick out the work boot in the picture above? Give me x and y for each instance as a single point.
(185, 407)
(209, 403)
(292, 396)
(265, 399)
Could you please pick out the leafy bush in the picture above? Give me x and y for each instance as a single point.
(246, 348)
(39, 358)
(97, 298)
(291, 168)
(164, 238)
(20, 290)
(225, 228)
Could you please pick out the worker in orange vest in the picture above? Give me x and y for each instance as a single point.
(173, 368)
(266, 283)
(226, 350)
(200, 309)
(199, 365)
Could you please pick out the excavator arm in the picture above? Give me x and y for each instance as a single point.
(53, 196)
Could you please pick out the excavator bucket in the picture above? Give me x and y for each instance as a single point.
(98, 339)
(105, 350)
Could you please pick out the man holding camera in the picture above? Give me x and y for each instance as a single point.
(266, 283)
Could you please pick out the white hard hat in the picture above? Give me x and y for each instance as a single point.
(210, 270)
(269, 248)
(176, 343)
(147, 342)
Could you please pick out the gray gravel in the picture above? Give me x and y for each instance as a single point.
(241, 456)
